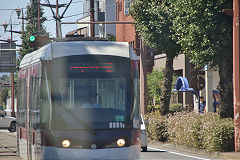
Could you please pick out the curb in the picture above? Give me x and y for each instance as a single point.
(202, 152)
(230, 155)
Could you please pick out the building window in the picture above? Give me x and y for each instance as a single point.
(120, 6)
(118, 9)
(127, 5)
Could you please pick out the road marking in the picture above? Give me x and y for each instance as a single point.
(178, 153)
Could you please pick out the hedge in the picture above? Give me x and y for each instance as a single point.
(203, 131)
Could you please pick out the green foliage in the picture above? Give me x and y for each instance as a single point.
(154, 84)
(205, 35)
(202, 30)
(111, 37)
(176, 107)
(205, 131)
(218, 133)
(31, 29)
(156, 129)
(202, 131)
(4, 96)
(183, 129)
(154, 19)
(4, 78)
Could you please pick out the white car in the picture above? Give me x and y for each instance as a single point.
(7, 123)
(143, 135)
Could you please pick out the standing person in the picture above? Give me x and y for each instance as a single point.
(202, 104)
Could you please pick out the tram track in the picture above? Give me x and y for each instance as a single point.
(8, 149)
(9, 135)
(7, 142)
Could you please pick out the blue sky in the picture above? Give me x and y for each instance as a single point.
(74, 8)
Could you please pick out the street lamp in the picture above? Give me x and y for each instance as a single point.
(18, 12)
(5, 25)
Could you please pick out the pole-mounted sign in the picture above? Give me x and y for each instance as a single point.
(7, 57)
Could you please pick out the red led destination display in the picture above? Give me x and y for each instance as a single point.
(92, 67)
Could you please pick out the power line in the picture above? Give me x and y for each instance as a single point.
(9, 9)
(78, 1)
(75, 15)
(2, 9)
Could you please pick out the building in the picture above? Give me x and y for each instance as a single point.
(126, 32)
(104, 10)
(182, 67)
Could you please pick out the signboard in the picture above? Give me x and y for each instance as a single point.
(197, 83)
(7, 57)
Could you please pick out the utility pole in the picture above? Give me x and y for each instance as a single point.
(236, 74)
(22, 21)
(12, 79)
(58, 25)
(58, 22)
(39, 23)
(92, 26)
(143, 78)
(57, 16)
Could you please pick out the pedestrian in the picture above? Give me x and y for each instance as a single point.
(202, 104)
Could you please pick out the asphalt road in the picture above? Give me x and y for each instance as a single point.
(156, 153)
(8, 150)
(8, 145)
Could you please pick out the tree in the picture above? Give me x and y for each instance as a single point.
(205, 35)
(31, 28)
(111, 37)
(154, 20)
(155, 83)
(4, 96)
(4, 78)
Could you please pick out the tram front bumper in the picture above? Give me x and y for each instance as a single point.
(124, 153)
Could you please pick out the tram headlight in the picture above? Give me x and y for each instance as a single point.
(65, 143)
(121, 142)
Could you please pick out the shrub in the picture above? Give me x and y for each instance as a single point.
(218, 133)
(183, 129)
(175, 107)
(156, 128)
(203, 131)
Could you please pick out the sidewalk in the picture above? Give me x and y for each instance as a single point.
(8, 145)
(218, 155)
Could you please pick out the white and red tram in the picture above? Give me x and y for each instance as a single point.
(79, 100)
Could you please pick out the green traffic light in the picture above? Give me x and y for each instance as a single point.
(32, 38)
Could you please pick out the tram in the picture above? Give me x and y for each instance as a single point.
(79, 100)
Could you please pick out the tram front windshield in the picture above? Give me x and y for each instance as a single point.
(96, 94)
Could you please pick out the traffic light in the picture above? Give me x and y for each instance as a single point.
(32, 38)
(32, 41)
(38, 41)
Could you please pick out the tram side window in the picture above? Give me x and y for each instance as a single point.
(22, 101)
(136, 89)
(46, 102)
(35, 109)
